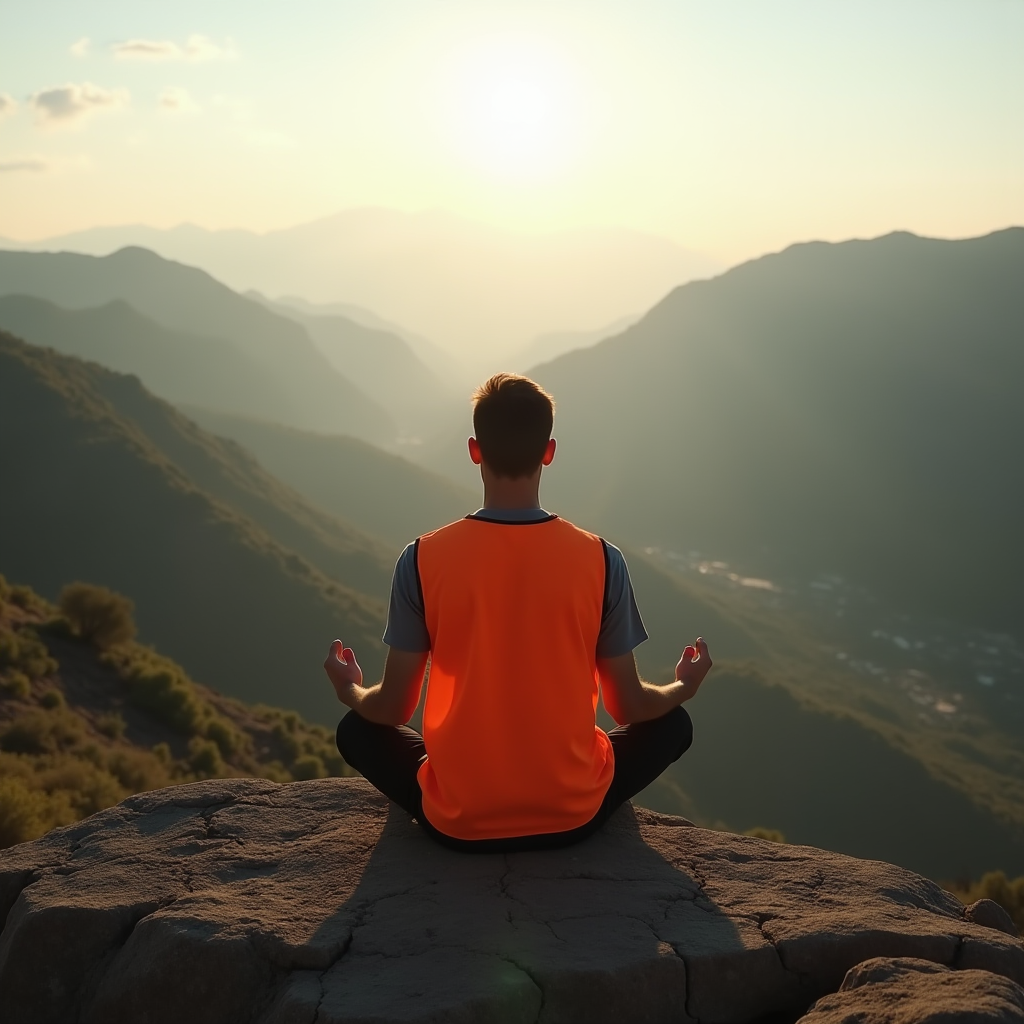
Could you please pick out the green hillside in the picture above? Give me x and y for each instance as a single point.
(211, 565)
(310, 392)
(380, 493)
(852, 409)
(382, 365)
(874, 758)
(87, 717)
(175, 365)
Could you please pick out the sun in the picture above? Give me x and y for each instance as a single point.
(516, 111)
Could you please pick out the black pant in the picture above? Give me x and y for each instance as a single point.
(389, 756)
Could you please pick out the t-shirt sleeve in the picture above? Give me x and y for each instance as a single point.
(407, 626)
(622, 629)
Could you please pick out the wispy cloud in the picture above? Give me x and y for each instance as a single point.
(175, 100)
(67, 104)
(80, 48)
(7, 105)
(32, 165)
(196, 48)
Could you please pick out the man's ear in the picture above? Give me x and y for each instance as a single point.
(474, 451)
(549, 453)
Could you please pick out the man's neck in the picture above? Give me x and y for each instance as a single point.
(518, 492)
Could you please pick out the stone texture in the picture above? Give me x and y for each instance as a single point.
(991, 915)
(904, 990)
(242, 900)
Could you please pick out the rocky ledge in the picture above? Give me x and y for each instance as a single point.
(242, 900)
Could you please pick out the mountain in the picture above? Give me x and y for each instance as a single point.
(475, 289)
(309, 392)
(430, 354)
(381, 364)
(103, 482)
(175, 365)
(84, 724)
(546, 347)
(380, 493)
(847, 408)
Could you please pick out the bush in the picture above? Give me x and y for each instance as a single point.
(52, 699)
(111, 725)
(15, 684)
(42, 732)
(229, 739)
(773, 835)
(204, 758)
(169, 696)
(24, 652)
(27, 812)
(309, 767)
(99, 616)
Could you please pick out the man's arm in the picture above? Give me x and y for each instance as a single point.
(628, 698)
(393, 700)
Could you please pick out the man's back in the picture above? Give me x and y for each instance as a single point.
(514, 611)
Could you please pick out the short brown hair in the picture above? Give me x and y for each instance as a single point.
(512, 419)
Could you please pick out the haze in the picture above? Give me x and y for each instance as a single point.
(728, 129)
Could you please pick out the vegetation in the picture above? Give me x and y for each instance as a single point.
(997, 887)
(234, 575)
(81, 704)
(98, 615)
(773, 835)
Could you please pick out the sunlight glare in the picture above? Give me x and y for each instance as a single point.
(515, 110)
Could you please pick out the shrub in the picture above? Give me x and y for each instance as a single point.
(204, 758)
(99, 616)
(24, 652)
(230, 740)
(41, 732)
(169, 696)
(87, 787)
(309, 767)
(138, 770)
(111, 725)
(15, 684)
(52, 699)
(288, 740)
(773, 835)
(23, 812)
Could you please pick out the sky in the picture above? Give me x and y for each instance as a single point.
(733, 128)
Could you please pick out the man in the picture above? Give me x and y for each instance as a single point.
(523, 619)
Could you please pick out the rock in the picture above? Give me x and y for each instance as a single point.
(989, 914)
(902, 990)
(242, 900)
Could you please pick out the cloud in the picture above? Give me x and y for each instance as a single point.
(7, 105)
(175, 100)
(196, 48)
(33, 165)
(80, 48)
(65, 104)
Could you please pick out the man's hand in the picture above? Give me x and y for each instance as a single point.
(693, 666)
(343, 671)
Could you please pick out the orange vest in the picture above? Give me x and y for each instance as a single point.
(513, 611)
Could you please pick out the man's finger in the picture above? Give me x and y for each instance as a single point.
(349, 656)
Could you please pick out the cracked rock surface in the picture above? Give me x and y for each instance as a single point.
(889, 990)
(243, 900)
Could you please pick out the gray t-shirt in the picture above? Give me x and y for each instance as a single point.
(622, 629)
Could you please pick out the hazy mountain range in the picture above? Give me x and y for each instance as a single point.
(476, 290)
(847, 408)
(701, 427)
